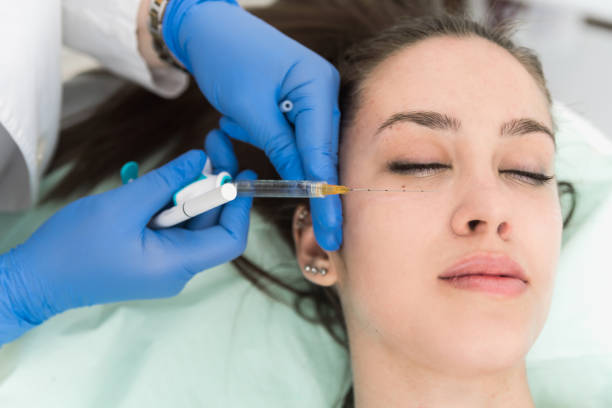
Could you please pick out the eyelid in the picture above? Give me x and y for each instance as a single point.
(398, 166)
(410, 167)
(534, 178)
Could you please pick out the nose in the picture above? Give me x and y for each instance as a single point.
(482, 211)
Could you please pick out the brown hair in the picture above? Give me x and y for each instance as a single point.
(355, 35)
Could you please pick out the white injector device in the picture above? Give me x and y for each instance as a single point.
(209, 191)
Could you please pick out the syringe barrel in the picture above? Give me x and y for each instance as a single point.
(280, 188)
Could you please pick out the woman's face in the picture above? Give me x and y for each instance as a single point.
(397, 244)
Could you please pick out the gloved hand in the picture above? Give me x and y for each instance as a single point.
(245, 68)
(98, 249)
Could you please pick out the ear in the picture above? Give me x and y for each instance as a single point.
(314, 261)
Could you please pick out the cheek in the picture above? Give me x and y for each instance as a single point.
(381, 227)
(392, 253)
(540, 241)
(386, 255)
(538, 227)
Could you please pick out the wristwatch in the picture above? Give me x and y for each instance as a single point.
(156, 16)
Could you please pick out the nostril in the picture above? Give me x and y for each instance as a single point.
(473, 224)
(503, 228)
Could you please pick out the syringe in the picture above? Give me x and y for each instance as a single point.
(300, 188)
(192, 203)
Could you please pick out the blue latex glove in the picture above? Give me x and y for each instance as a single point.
(99, 249)
(245, 68)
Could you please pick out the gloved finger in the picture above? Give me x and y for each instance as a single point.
(205, 220)
(321, 164)
(327, 222)
(196, 251)
(317, 123)
(235, 216)
(265, 127)
(219, 148)
(232, 129)
(145, 196)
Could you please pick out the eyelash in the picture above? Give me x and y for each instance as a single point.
(537, 179)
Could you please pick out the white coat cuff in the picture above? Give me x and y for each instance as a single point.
(106, 30)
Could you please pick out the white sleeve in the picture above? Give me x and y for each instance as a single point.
(30, 95)
(106, 30)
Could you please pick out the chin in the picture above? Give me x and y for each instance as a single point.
(484, 354)
(477, 347)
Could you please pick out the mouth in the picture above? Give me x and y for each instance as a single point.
(485, 274)
(488, 272)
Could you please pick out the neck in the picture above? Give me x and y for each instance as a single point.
(383, 378)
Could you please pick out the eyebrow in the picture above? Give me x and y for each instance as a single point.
(440, 121)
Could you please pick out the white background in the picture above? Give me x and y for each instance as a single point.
(577, 58)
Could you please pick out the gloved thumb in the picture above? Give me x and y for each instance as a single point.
(148, 194)
(197, 250)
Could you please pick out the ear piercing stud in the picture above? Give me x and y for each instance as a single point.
(314, 270)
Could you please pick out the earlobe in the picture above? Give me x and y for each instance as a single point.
(313, 260)
(314, 270)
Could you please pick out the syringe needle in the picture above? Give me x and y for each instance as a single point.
(387, 190)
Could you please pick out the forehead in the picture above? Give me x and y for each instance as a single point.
(471, 78)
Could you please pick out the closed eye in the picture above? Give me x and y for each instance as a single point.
(417, 169)
(537, 179)
(429, 169)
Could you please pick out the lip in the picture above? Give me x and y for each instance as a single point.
(489, 272)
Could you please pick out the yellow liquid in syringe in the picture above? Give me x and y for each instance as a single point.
(299, 189)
